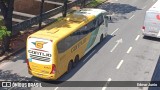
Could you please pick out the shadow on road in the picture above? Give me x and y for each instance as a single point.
(8, 76)
(86, 58)
(156, 76)
(118, 10)
(151, 38)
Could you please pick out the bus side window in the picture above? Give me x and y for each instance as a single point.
(90, 27)
(75, 38)
(68, 42)
(61, 46)
(100, 20)
(95, 23)
(84, 30)
(80, 33)
(65, 44)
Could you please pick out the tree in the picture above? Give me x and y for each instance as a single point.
(6, 7)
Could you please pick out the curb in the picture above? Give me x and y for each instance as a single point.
(6, 56)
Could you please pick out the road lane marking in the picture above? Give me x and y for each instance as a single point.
(144, 7)
(56, 88)
(129, 50)
(88, 56)
(105, 87)
(109, 79)
(115, 31)
(137, 37)
(131, 17)
(118, 42)
(119, 65)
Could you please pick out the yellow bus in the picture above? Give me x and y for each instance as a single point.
(57, 48)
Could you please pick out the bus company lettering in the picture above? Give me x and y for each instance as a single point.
(78, 45)
(39, 53)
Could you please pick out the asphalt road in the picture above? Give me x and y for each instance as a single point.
(124, 55)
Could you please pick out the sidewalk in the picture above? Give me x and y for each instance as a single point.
(18, 43)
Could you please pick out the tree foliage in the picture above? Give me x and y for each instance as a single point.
(6, 7)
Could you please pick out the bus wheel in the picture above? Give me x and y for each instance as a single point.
(70, 65)
(101, 38)
(76, 60)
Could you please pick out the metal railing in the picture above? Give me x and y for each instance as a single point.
(35, 20)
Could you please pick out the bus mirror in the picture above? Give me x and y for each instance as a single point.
(106, 17)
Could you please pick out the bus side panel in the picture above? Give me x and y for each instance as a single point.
(77, 49)
(95, 37)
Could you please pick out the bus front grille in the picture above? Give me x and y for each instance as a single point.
(39, 58)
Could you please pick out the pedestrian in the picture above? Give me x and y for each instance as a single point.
(110, 18)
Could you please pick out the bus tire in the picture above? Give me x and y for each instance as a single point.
(70, 66)
(76, 60)
(101, 38)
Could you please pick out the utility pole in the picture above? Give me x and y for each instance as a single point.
(41, 14)
(65, 8)
(83, 3)
(7, 7)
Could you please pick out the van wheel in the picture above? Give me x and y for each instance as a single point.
(101, 38)
(76, 60)
(70, 66)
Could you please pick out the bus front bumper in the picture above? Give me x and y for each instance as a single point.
(43, 76)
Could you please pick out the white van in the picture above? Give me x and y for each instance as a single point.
(152, 21)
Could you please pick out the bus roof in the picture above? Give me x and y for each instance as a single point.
(66, 26)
